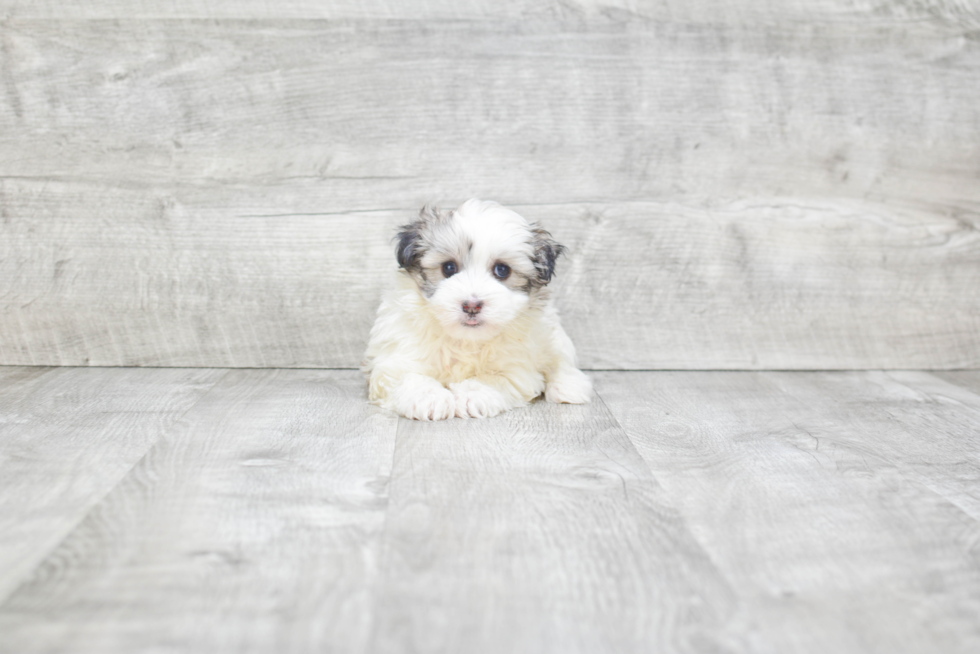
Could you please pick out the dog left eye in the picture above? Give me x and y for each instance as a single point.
(501, 271)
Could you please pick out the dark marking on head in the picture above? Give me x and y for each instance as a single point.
(410, 247)
(411, 244)
(546, 253)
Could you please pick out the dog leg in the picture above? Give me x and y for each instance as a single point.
(476, 399)
(568, 385)
(422, 398)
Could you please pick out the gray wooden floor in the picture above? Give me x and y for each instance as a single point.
(205, 510)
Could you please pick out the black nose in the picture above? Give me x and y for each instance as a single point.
(472, 307)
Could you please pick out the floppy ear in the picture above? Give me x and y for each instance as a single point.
(411, 247)
(546, 253)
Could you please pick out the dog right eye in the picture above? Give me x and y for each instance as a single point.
(449, 268)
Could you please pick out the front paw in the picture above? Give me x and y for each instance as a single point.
(426, 402)
(570, 386)
(475, 399)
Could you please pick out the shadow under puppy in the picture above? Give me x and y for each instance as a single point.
(471, 330)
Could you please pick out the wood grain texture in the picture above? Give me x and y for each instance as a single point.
(764, 285)
(250, 527)
(781, 513)
(968, 379)
(794, 193)
(750, 284)
(941, 11)
(163, 279)
(538, 531)
(68, 437)
(841, 507)
(384, 113)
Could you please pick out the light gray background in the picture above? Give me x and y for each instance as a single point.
(741, 185)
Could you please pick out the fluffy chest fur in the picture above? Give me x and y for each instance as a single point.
(406, 323)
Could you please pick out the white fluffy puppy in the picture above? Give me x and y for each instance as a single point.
(471, 330)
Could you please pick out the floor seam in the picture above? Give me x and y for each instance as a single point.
(84, 516)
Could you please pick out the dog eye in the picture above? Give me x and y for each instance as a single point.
(449, 268)
(501, 271)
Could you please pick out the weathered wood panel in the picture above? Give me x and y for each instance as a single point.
(164, 277)
(263, 280)
(252, 526)
(765, 285)
(67, 437)
(538, 531)
(841, 507)
(950, 11)
(700, 512)
(383, 113)
(182, 192)
(968, 379)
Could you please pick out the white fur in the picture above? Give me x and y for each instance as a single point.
(426, 362)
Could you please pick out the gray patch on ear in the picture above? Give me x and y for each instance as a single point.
(546, 253)
(410, 248)
(411, 245)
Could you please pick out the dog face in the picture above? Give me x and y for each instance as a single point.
(478, 267)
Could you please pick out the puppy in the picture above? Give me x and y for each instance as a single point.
(470, 330)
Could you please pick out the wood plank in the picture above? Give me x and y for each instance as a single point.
(292, 9)
(188, 192)
(250, 527)
(69, 435)
(552, 109)
(785, 512)
(187, 277)
(968, 379)
(539, 531)
(169, 278)
(842, 507)
(677, 10)
(770, 285)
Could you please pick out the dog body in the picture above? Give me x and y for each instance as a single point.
(470, 331)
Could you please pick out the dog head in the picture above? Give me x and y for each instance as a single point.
(478, 267)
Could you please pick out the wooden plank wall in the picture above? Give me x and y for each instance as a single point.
(742, 185)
